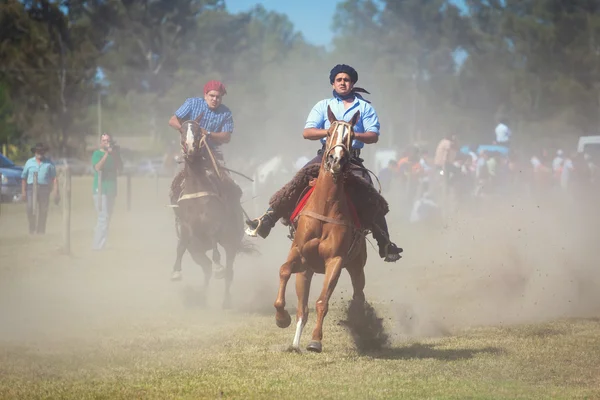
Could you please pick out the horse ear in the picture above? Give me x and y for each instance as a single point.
(355, 118)
(330, 115)
(199, 118)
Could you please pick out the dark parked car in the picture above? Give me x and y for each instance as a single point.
(10, 190)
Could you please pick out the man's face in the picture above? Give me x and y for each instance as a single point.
(105, 141)
(213, 99)
(39, 155)
(342, 84)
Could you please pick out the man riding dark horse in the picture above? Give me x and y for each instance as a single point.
(345, 102)
(217, 123)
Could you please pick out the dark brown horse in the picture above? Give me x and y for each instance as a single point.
(205, 216)
(326, 239)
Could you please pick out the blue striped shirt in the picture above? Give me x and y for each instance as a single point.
(219, 120)
(368, 121)
(46, 171)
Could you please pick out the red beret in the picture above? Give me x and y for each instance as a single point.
(214, 85)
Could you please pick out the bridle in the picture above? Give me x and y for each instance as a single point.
(202, 144)
(346, 144)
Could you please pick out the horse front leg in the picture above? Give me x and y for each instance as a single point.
(282, 317)
(303, 280)
(333, 270)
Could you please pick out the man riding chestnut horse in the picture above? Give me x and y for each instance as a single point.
(346, 101)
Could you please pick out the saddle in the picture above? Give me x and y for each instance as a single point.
(367, 201)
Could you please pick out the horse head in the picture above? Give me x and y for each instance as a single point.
(191, 135)
(338, 144)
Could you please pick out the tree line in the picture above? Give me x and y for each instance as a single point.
(433, 67)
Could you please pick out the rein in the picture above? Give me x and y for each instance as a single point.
(215, 165)
(323, 218)
(197, 195)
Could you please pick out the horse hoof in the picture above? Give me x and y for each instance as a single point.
(285, 321)
(176, 276)
(314, 346)
(294, 349)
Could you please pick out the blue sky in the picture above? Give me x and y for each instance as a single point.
(311, 17)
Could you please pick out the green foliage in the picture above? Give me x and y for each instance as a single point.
(535, 62)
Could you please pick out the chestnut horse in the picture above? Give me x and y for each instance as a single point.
(326, 239)
(204, 218)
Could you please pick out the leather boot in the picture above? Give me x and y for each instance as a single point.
(262, 226)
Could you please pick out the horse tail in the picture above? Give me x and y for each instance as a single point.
(248, 247)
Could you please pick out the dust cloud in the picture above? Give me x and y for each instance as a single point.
(513, 261)
(509, 261)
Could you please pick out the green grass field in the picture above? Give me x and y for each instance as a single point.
(463, 323)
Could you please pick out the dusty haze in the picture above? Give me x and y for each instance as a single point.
(512, 261)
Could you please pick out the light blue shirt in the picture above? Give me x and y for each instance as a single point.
(368, 121)
(46, 171)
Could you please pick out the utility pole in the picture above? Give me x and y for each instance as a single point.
(99, 114)
(413, 117)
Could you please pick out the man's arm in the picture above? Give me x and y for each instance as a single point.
(314, 133)
(118, 160)
(24, 176)
(220, 137)
(367, 137)
(370, 123)
(225, 131)
(315, 122)
(175, 123)
(99, 164)
(54, 179)
(177, 118)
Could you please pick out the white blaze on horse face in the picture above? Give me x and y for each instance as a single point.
(340, 132)
(189, 138)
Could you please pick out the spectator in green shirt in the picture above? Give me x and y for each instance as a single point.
(106, 162)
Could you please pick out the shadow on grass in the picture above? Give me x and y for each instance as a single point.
(424, 351)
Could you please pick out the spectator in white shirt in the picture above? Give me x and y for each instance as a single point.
(503, 134)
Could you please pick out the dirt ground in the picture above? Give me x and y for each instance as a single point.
(510, 287)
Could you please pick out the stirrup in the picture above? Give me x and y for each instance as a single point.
(260, 226)
(390, 252)
(252, 227)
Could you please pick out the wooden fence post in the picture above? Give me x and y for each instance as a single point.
(35, 199)
(67, 211)
(0, 193)
(157, 190)
(99, 191)
(128, 192)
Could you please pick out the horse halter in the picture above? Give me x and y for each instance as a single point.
(344, 144)
(197, 142)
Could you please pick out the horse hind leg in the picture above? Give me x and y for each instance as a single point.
(219, 269)
(303, 280)
(228, 275)
(333, 270)
(176, 274)
(357, 277)
(202, 260)
(282, 317)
